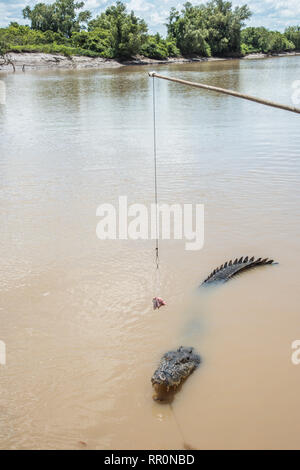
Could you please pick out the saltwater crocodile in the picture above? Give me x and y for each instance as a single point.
(176, 366)
(232, 268)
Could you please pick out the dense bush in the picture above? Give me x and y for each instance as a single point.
(293, 34)
(98, 41)
(263, 40)
(211, 29)
(16, 34)
(156, 47)
(60, 16)
(279, 42)
(125, 32)
(54, 49)
(17, 38)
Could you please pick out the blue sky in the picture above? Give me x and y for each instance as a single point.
(274, 14)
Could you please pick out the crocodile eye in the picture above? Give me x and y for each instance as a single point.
(184, 360)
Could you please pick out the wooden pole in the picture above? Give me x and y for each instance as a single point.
(228, 92)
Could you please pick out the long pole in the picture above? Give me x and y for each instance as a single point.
(228, 92)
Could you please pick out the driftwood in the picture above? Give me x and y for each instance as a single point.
(6, 60)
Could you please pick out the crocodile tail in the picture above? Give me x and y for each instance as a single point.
(232, 268)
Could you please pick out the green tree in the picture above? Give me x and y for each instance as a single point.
(61, 16)
(98, 40)
(204, 29)
(256, 39)
(278, 42)
(67, 19)
(262, 40)
(188, 29)
(156, 47)
(127, 33)
(293, 34)
(42, 17)
(17, 34)
(3, 48)
(224, 26)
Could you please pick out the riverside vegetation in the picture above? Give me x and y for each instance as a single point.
(211, 29)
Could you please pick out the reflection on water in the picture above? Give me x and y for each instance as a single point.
(76, 314)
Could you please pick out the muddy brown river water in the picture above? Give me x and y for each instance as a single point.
(82, 340)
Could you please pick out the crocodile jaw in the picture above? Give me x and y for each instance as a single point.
(162, 392)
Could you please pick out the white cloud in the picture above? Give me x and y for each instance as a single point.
(94, 4)
(139, 5)
(159, 18)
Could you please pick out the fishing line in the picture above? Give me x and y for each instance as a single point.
(186, 446)
(157, 301)
(155, 177)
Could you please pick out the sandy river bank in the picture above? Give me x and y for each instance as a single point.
(37, 61)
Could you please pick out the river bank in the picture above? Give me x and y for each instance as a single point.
(39, 61)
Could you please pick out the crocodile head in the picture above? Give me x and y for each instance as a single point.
(173, 369)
